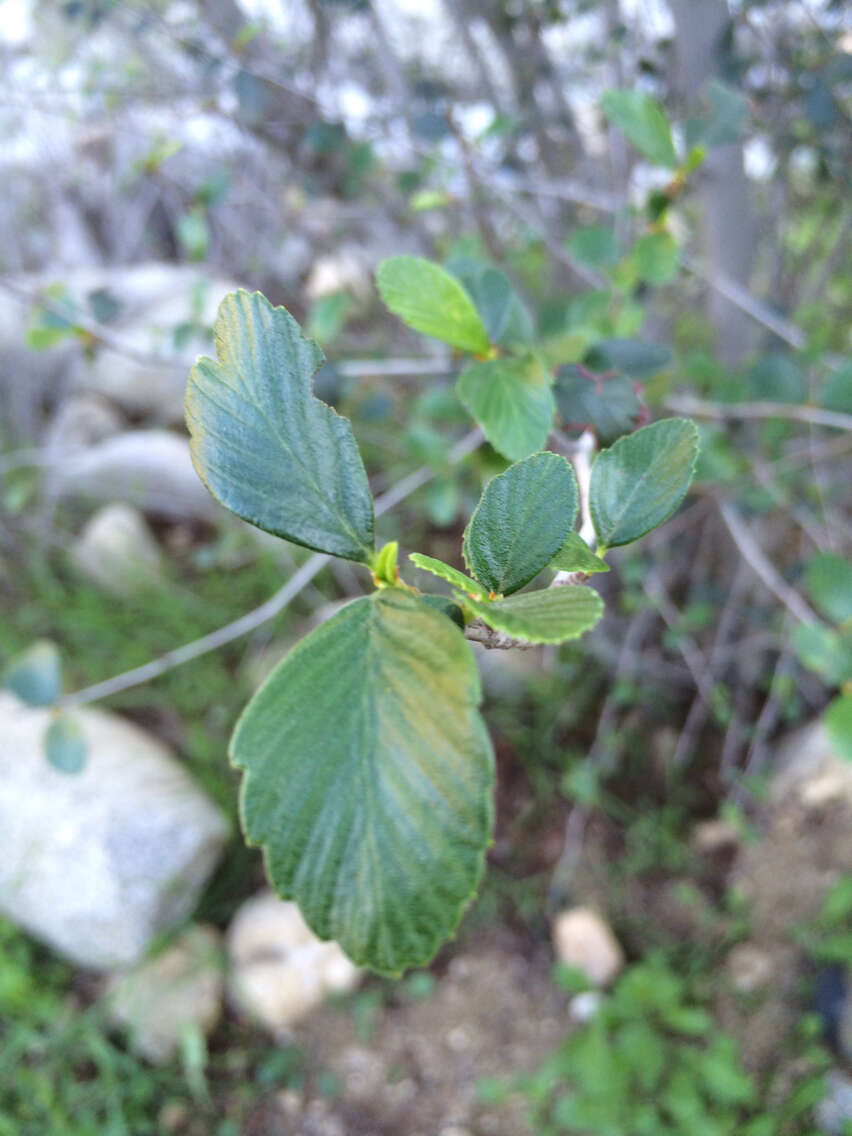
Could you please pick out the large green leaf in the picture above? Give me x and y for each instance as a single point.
(576, 556)
(644, 122)
(549, 615)
(447, 572)
(368, 779)
(521, 522)
(427, 298)
(506, 317)
(264, 445)
(512, 401)
(640, 481)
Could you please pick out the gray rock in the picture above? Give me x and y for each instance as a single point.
(117, 551)
(178, 989)
(834, 1112)
(150, 469)
(81, 421)
(279, 970)
(98, 863)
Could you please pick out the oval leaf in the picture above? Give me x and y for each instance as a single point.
(576, 556)
(368, 779)
(65, 744)
(644, 122)
(35, 676)
(550, 615)
(522, 520)
(506, 318)
(512, 401)
(838, 724)
(640, 481)
(264, 445)
(427, 298)
(447, 572)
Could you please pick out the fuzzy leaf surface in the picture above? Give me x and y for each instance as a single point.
(446, 572)
(430, 300)
(264, 445)
(522, 520)
(576, 556)
(550, 615)
(639, 482)
(512, 401)
(368, 779)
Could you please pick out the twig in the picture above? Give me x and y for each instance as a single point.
(267, 610)
(684, 404)
(754, 556)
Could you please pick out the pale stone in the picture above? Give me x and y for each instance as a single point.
(713, 837)
(750, 968)
(117, 551)
(279, 970)
(178, 989)
(582, 939)
(97, 863)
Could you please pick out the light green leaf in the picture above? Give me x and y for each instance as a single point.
(838, 724)
(595, 246)
(264, 445)
(521, 522)
(824, 650)
(427, 298)
(639, 482)
(829, 580)
(506, 318)
(35, 676)
(576, 556)
(65, 744)
(368, 779)
(512, 401)
(549, 615)
(448, 573)
(657, 257)
(644, 122)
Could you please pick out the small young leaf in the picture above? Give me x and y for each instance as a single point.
(512, 401)
(65, 744)
(644, 122)
(368, 779)
(521, 522)
(549, 615)
(636, 358)
(264, 445)
(448, 573)
(824, 650)
(610, 406)
(576, 556)
(639, 482)
(506, 318)
(657, 257)
(35, 676)
(427, 298)
(838, 724)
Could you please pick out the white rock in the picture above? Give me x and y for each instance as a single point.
(178, 989)
(117, 551)
(582, 939)
(278, 969)
(344, 270)
(150, 469)
(750, 968)
(98, 863)
(583, 1007)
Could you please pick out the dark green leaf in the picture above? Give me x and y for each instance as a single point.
(368, 779)
(640, 481)
(644, 122)
(595, 246)
(521, 522)
(447, 572)
(549, 615)
(776, 377)
(512, 401)
(264, 445)
(634, 357)
(65, 744)
(506, 319)
(610, 406)
(427, 298)
(35, 676)
(836, 393)
(576, 556)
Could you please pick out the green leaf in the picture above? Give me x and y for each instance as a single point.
(448, 573)
(576, 556)
(65, 744)
(506, 318)
(35, 676)
(549, 615)
(644, 122)
(521, 522)
(640, 481)
(838, 724)
(594, 246)
(264, 445)
(829, 580)
(657, 257)
(610, 406)
(368, 779)
(512, 401)
(427, 298)
(824, 650)
(634, 357)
